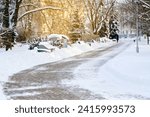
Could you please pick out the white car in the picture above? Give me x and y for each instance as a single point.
(45, 47)
(58, 39)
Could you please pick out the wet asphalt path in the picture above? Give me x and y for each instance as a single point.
(44, 82)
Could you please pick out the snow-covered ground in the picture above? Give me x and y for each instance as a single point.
(126, 76)
(20, 58)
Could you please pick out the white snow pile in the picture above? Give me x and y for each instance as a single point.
(126, 76)
(20, 58)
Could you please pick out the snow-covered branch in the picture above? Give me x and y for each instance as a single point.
(39, 9)
(148, 5)
(24, 5)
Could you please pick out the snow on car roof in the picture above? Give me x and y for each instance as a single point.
(46, 44)
(57, 36)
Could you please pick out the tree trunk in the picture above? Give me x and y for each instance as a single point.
(148, 39)
(6, 14)
(15, 15)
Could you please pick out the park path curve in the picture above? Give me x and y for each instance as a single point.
(44, 82)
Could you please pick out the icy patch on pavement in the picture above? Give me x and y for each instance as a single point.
(30, 87)
(33, 93)
(26, 91)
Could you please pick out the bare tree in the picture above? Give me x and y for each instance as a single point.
(143, 13)
(98, 12)
(94, 12)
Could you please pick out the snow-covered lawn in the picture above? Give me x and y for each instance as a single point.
(126, 76)
(20, 58)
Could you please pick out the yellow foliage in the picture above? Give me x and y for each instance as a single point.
(51, 21)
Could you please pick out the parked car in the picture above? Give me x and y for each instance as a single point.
(45, 47)
(58, 40)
